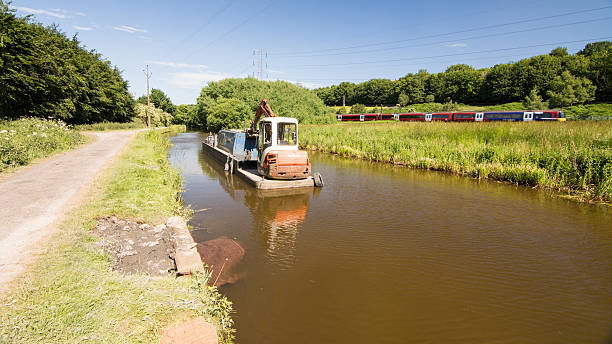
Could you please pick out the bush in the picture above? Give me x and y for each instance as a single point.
(227, 113)
(358, 108)
(285, 99)
(26, 139)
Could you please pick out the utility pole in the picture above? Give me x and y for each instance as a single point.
(343, 100)
(148, 75)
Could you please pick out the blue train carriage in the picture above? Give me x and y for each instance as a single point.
(524, 116)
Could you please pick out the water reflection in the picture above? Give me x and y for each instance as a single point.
(394, 255)
(277, 214)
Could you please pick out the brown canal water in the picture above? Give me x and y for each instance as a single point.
(392, 255)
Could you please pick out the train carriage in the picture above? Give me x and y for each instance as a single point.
(420, 117)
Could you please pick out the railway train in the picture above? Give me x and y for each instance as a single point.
(469, 116)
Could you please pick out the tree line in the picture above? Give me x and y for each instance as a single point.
(230, 103)
(559, 78)
(43, 73)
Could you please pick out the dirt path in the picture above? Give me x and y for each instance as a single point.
(33, 200)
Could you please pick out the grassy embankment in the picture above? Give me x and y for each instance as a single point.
(600, 110)
(103, 126)
(573, 158)
(72, 295)
(26, 139)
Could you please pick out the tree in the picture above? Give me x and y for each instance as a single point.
(161, 101)
(45, 74)
(413, 86)
(569, 90)
(358, 108)
(403, 99)
(227, 113)
(559, 52)
(594, 48)
(376, 91)
(534, 101)
(285, 99)
(600, 73)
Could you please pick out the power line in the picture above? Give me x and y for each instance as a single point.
(448, 33)
(207, 22)
(232, 29)
(455, 40)
(447, 55)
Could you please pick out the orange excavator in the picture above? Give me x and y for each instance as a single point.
(277, 147)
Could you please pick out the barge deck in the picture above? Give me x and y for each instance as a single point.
(250, 175)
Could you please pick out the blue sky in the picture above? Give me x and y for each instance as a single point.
(316, 43)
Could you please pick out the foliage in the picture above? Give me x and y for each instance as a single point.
(571, 157)
(185, 114)
(285, 99)
(160, 99)
(227, 113)
(72, 294)
(26, 139)
(103, 126)
(534, 101)
(510, 82)
(588, 111)
(159, 118)
(359, 108)
(569, 90)
(595, 48)
(43, 73)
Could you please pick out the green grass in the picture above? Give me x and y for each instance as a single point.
(103, 126)
(71, 295)
(573, 158)
(26, 139)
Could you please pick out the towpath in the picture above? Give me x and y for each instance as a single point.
(34, 200)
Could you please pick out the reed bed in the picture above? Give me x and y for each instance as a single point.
(573, 158)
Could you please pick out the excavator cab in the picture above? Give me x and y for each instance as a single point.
(279, 155)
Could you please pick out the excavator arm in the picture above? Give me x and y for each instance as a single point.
(263, 109)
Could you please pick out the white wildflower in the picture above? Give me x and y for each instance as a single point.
(34, 134)
(13, 131)
(43, 135)
(3, 131)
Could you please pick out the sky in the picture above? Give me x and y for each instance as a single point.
(315, 43)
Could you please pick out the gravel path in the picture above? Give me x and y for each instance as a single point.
(35, 199)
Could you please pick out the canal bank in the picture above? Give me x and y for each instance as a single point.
(572, 159)
(72, 294)
(392, 255)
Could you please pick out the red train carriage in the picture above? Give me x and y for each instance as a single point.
(468, 116)
(442, 116)
(358, 117)
(412, 117)
(387, 116)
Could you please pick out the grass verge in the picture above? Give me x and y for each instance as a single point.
(26, 139)
(71, 295)
(103, 126)
(573, 158)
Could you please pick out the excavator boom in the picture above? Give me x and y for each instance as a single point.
(263, 109)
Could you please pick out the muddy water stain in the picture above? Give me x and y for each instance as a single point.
(393, 255)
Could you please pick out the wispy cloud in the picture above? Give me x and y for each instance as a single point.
(129, 29)
(57, 13)
(177, 64)
(82, 28)
(457, 45)
(81, 14)
(145, 38)
(195, 80)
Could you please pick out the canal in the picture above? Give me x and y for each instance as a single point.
(386, 254)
